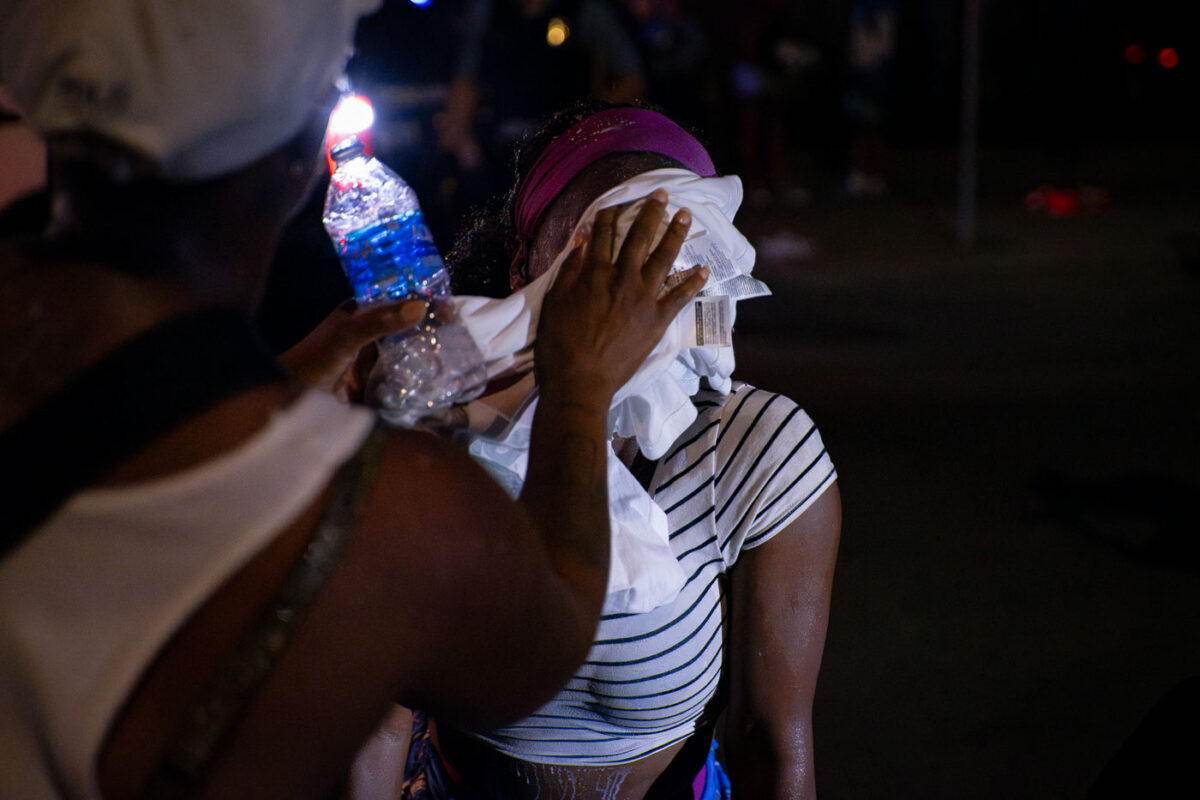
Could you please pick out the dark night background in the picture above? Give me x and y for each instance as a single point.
(1013, 417)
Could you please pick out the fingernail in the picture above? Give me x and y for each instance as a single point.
(684, 217)
(412, 312)
(659, 195)
(704, 273)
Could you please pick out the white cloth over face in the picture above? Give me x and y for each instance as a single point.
(655, 406)
(643, 572)
(202, 87)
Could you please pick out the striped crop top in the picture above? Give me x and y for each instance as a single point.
(751, 463)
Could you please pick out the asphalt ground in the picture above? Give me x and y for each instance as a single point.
(1015, 428)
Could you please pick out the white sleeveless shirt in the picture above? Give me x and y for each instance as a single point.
(90, 598)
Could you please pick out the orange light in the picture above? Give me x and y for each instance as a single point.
(1168, 58)
(557, 32)
(1134, 54)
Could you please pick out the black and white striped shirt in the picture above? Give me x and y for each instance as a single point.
(751, 463)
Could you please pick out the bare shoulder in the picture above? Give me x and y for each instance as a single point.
(431, 500)
(798, 562)
(441, 540)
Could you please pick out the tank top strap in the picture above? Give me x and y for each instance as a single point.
(248, 665)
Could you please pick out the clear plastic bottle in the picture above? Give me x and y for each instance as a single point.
(388, 252)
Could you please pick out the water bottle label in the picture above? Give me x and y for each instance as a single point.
(393, 258)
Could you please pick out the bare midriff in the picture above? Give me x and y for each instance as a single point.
(501, 776)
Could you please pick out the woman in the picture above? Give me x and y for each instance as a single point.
(214, 581)
(754, 515)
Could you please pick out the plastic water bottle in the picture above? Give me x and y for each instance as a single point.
(388, 253)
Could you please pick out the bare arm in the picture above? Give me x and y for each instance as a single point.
(580, 365)
(779, 610)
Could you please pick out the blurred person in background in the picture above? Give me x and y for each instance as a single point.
(520, 60)
(213, 580)
(867, 97)
(676, 52)
(773, 82)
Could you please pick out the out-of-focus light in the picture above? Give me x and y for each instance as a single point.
(421, 3)
(1168, 58)
(557, 32)
(353, 114)
(1134, 54)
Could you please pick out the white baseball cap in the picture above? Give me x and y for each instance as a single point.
(201, 87)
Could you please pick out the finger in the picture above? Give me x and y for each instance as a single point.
(642, 232)
(352, 385)
(600, 248)
(568, 275)
(370, 323)
(572, 265)
(677, 297)
(658, 265)
(345, 335)
(319, 358)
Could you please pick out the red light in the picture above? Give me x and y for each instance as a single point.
(1134, 54)
(1168, 58)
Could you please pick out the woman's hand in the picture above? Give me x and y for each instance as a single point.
(607, 310)
(340, 351)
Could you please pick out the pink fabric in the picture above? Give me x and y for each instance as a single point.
(616, 130)
(700, 783)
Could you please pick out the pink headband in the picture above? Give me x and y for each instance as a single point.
(617, 130)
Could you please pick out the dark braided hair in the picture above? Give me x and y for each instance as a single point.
(480, 258)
